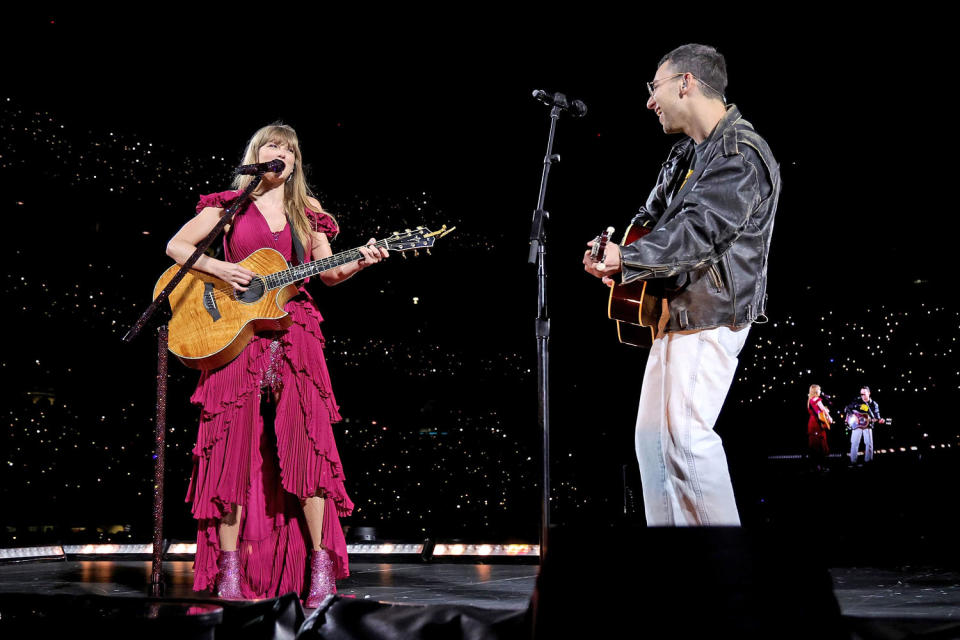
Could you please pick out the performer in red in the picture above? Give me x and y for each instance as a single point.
(265, 491)
(817, 425)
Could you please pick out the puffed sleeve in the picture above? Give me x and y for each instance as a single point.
(220, 200)
(323, 223)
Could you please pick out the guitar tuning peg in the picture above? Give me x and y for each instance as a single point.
(415, 252)
(404, 254)
(428, 252)
(408, 231)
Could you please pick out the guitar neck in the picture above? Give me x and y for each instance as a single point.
(307, 269)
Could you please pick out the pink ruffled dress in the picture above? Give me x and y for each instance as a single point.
(241, 459)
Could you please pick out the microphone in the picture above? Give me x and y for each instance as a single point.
(575, 108)
(275, 166)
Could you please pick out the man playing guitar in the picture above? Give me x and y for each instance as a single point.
(860, 416)
(711, 217)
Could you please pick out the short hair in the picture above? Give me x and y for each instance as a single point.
(862, 387)
(703, 61)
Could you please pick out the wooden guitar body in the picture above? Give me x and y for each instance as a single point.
(212, 323)
(822, 419)
(635, 306)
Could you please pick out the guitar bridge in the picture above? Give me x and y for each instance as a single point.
(209, 301)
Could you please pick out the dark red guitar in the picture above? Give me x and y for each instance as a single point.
(636, 306)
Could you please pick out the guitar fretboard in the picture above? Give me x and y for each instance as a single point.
(307, 269)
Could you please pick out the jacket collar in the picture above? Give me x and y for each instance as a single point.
(728, 119)
(727, 131)
(723, 130)
(723, 126)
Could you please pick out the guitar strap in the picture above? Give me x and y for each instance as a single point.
(689, 182)
(297, 245)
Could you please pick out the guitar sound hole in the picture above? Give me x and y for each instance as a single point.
(253, 293)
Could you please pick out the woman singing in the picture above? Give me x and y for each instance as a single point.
(263, 490)
(817, 425)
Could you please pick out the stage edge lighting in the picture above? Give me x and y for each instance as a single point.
(23, 553)
(484, 550)
(107, 549)
(384, 548)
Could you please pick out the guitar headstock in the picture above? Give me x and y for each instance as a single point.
(599, 247)
(414, 239)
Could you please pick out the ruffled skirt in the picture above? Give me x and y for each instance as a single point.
(817, 438)
(240, 459)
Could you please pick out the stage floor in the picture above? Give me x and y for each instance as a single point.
(863, 592)
(491, 586)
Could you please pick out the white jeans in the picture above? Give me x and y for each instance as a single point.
(683, 468)
(867, 435)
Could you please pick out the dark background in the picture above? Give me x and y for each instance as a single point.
(409, 119)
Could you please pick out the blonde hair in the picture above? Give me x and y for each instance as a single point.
(811, 394)
(296, 192)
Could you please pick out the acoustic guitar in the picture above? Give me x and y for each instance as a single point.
(212, 322)
(824, 419)
(636, 306)
(862, 420)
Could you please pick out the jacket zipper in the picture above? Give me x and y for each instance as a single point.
(715, 275)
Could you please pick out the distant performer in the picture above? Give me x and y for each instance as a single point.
(817, 426)
(711, 213)
(267, 484)
(860, 416)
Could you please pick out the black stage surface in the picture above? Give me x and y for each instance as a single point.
(905, 592)
(482, 585)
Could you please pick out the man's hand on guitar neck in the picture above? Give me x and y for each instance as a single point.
(609, 266)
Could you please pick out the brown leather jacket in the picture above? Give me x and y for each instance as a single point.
(711, 233)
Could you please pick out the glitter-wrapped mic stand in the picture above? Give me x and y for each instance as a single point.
(160, 423)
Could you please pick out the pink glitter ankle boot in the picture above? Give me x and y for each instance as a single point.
(228, 577)
(322, 581)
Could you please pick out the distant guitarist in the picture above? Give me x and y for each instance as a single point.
(864, 412)
(711, 217)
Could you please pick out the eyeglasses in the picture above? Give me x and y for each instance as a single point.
(652, 85)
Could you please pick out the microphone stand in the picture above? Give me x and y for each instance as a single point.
(537, 255)
(157, 586)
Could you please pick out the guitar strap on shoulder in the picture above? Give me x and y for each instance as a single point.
(297, 245)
